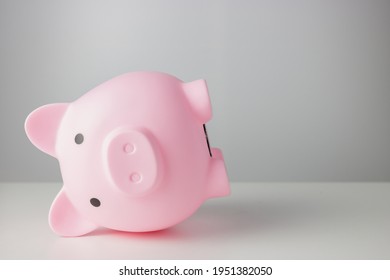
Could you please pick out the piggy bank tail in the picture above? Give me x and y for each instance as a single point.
(218, 184)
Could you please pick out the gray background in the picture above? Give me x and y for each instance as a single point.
(300, 89)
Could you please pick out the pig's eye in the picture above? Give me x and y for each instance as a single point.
(79, 138)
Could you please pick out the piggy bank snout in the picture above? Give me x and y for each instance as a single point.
(132, 160)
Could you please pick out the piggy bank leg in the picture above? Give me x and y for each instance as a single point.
(65, 220)
(218, 184)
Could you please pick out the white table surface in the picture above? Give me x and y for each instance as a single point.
(258, 221)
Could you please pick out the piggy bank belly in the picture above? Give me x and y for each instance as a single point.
(92, 204)
(137, 214)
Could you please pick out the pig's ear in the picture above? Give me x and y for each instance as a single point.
(42, 125)
(198, 96)
(65, 220)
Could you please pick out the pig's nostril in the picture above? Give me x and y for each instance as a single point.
(95, 202)
(128, 148)
(135, 177)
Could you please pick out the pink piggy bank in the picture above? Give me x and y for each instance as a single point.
(133, 153)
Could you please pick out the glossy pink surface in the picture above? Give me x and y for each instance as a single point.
(132, 152)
